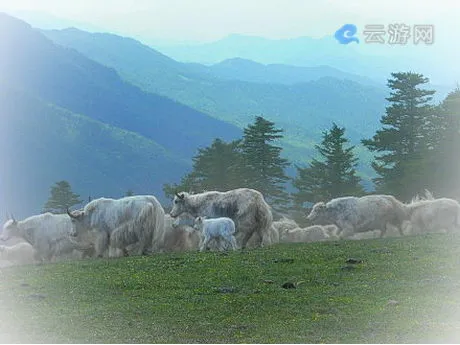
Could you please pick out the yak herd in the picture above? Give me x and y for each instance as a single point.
(240, 218)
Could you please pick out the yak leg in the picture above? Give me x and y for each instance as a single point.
(102, 242)
(204, 243)
(233, 242)
(383, 230)
(347, 231)
(246, 237)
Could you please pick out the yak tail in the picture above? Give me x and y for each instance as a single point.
(264, 218)
(457, 220)
(158, 226)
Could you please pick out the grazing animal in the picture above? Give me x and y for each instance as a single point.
(434, 215)
(428, 196)
(20, 254)
(285, 224)
(185, 219)
(180, 235)
(48, 234)
(314, 233)
(134, 220)
(365, 235)
(332, 230)
(222, 229)
(353, 214)
(246, 207)
(273, 237)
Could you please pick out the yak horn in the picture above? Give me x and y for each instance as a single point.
(70, 214)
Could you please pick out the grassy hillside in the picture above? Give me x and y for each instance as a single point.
(41, 143)
(405, 290)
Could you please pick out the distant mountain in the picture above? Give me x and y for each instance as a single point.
(72, 81)
(248, 70)
(44, 20)
(41, 143)
(122, 138)
(303, 110)
(375, 61)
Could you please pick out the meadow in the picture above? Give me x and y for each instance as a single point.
(392, 290)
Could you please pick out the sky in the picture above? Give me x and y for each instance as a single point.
(209, 20)
(163, 23)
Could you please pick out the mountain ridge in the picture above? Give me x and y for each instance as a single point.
(65, 117)
(237, 101)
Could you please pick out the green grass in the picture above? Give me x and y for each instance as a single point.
(239, 298)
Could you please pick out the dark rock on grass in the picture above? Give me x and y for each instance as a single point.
(24, 285)
(289, 285)
(288, 261)
(353, 261)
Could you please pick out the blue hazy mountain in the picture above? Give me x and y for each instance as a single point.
(251, 71)
(375, 61)
(70, 80)
(65, 116)
(302, 109)
(42, 143)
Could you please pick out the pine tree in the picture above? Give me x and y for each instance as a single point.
(214, 168)
(61, 198)
(332, 176)
(444, 166)
(263, 167)
(406, 137)
(217, 167)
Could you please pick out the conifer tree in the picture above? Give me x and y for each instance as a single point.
(331, 176)
(217, 167)
(406, 137)
(263, 167)
(61, 198)
(443, 168)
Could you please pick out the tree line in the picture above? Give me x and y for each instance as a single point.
(415, 149)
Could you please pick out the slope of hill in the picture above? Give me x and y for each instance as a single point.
(303, 110)
(70, 80)
(41, 143)
(402, 290)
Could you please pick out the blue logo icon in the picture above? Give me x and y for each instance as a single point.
(345, 34)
